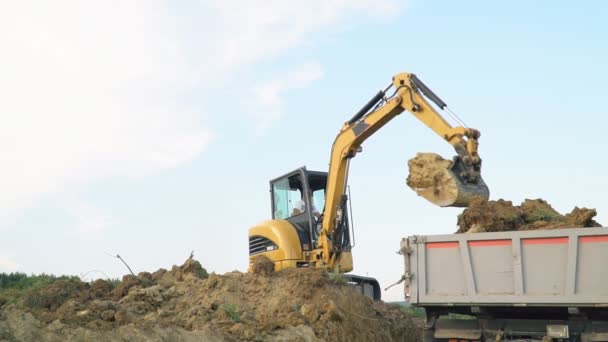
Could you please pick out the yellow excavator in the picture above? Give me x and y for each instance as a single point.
(310, 222)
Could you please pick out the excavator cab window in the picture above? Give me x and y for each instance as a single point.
(299, 197)
(318, 199)
(317, 181)
(288, 197)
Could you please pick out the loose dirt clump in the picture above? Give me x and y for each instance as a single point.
(429, 176)
(440, 181)
(262, 265)
(194, 268)
(100, 289)
(125, 285)
(501, 215)
(288, 305)
(583, 217)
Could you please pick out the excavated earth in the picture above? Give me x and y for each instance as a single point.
(430, 177)
(501, 215)
(438, 180)
(187, 304)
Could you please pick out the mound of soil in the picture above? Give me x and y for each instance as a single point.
(186, 304)
(501, 215)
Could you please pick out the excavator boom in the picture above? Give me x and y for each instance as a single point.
(461, 179)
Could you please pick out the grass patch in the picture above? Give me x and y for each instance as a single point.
(410, 310)
(337, 278)
(231, 311)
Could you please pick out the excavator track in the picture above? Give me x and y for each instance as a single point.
(367, 286)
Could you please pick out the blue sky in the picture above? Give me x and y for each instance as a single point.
(157, 135)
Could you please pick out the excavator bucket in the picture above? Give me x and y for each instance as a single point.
(440, 181)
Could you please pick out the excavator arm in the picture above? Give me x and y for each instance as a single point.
(407, 96)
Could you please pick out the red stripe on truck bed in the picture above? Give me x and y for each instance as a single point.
(601, 238)
(449, 244)
(484, 243)
(546, 241)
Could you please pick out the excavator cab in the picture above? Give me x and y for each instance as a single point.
(299, 198)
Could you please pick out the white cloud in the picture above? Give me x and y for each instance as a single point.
(268, 94)
(88, 218)
(7, 264)
(93, 89)
(88, 90)
(253, 30)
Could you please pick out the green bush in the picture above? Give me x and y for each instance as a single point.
(113, 282)
(21, 281)
(15, 285)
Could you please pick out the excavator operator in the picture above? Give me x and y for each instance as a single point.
(300, 206)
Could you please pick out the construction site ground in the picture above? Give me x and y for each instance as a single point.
(187, 304)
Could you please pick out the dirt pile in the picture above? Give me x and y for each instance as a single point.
(187, 304)
(501, 215)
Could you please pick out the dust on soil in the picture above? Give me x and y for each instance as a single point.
(501, 215)
(187, 304)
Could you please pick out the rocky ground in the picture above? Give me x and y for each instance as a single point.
(187, 304)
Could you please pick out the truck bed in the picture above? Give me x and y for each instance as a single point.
(561, 267)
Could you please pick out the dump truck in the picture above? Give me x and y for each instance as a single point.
(542, 285)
